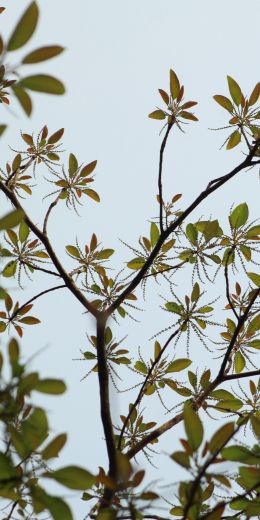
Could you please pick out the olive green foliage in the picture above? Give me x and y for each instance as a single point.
(214, 475)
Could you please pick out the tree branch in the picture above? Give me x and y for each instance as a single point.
(103, 376)
(169, 127)
(45, 241)
(35, 298)
(165, 234)
(142, 389)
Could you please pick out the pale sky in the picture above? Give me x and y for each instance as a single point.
(118, 53)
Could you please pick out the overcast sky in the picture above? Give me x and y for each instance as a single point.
(118, 53)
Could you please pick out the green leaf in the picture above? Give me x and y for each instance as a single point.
(12, 219)
(239, 362)
(229, 404)
(92, 194)
(157, 114)
(89, 355)
(3, 326)
(2, 129)
(23, 231)
(221, 394)
(205, 309)
(72, 477)
(174, 307)
(54, 447)
(136, 263)
(255, 278)
(73, 251)
(43, 83)
(56, 506)
(234, 140)
(239, 454)
(43, 53)
(104, 254)
(192, 233)
(141, 367)
(254, 325)
(73, 164)
(253, 232)
(178, 364)
(23, 98)
(7, 470)
(239, 216)
(154, 234)
(195, 292)
(220, 437)
(224, 102)
(174, 84)
(235, 90)
(10, 269)
(182, 458)
(193, 427)
(50, 386)
(25, 28)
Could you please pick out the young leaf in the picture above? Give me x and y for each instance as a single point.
(235, 90)
(23, 98)
(220, 437)
(174, 84)
(72, 477)
(157, 114)
(234, 140)
(25, 28)
(239, 215)
(43, 53)
(43, 83)
(193, 427)
(224, 102)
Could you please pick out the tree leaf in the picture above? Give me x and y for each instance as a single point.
(239, 362)
(178, 364)
(54, 447)
(255, 278)
(195, 292)
(220, 437)
(12, 219)
(73, 477)
(25, 28)
(141, 367)
(154, 234)
(174, 84)
(43, 83)
(239, 215)
(136, 263)
(224, 102)
(193, 427)
(173, 307)
(73, 251)
(92, 194)
(7, 471)
(50, 386)
(235, 90)
(23, 98)
(23, 231)
(234, 140)
(10, 269)
(255, 95)
(157, 114)
(192, 233)
(43, 53)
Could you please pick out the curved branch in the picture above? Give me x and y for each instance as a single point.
(35, 298)
(169, 127)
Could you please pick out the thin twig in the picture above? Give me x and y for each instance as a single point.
(52, 205)
(160, 188)
(142, 389)
(35, 298)
(45, 241)
(227, 284)
(165, 234)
